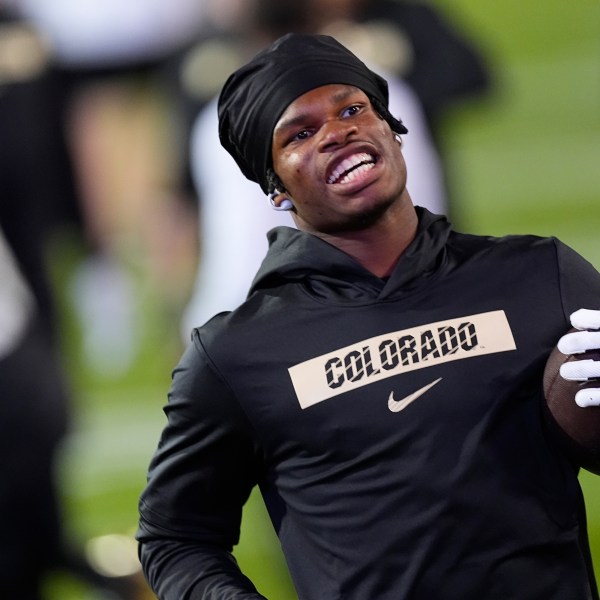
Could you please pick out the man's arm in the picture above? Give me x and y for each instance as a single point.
(178, 570)
(199, 479)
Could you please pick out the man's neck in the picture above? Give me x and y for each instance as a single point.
(379, 247)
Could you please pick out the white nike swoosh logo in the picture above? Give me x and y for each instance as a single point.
(398, 405)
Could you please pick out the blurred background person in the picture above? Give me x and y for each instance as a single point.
(33, 422)
(36, 195)
(34, 395)
(36, 179)
(123, 148)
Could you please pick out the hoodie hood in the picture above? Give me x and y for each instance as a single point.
(329, 273)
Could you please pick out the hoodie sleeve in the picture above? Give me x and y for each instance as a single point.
(199, 478)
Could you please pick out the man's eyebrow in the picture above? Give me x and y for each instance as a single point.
(343, 94)
(302, 117)
(292, 122)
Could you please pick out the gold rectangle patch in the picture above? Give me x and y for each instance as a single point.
(390, 354)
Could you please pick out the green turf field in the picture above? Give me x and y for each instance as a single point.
(524, 160)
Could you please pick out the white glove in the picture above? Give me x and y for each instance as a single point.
(576, 343)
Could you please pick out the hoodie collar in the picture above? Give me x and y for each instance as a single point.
(327, 272)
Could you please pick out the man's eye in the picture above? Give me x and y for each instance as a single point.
(351, 110)
(301, 135)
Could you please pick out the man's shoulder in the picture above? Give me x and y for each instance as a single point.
(506, 242)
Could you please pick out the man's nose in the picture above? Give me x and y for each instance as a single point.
(335, 133)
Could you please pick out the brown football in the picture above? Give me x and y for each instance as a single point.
(577, 428)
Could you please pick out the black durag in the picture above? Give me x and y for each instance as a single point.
(255, 96)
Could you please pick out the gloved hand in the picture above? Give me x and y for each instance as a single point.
(586, 339)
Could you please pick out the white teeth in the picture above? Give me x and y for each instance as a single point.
(351, 167)
(356, 172)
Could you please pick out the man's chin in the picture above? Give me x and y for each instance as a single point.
(362, 219)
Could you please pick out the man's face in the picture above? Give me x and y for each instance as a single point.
(338, 160)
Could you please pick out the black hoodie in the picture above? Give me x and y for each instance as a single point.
(395, 427)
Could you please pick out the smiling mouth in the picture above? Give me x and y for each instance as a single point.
(352, 168)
